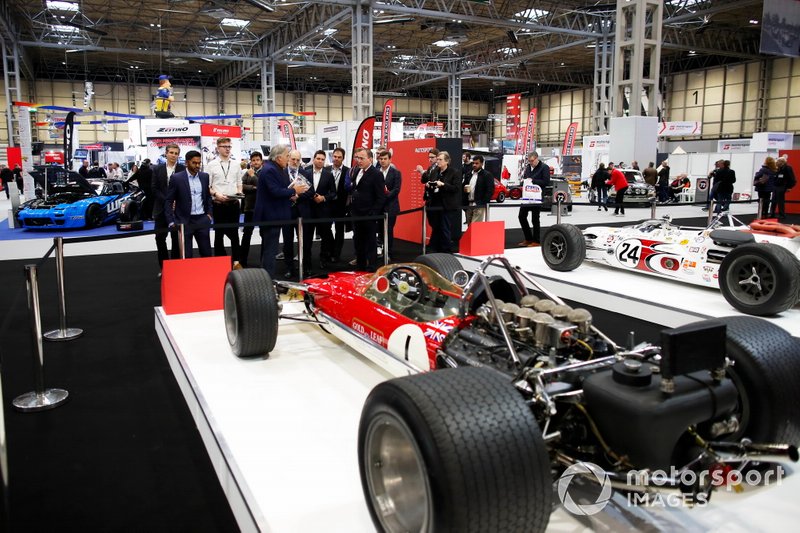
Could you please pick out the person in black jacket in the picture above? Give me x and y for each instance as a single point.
(366, 188)
(445, 199)
(322, 196)
(249, 184)
(144, 177)
(392, 180)
(764, 182)
(724, 178)
(539, 174)
(6, 176)
(784, 181)
(478, 191)
(599, 186)
(160, 184)
(339, 207)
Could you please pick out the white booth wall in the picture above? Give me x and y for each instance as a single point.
(698, 165)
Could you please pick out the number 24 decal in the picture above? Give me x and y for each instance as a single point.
(629, 252)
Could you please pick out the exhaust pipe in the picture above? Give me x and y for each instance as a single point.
(733, 452)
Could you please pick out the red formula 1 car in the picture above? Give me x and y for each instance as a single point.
(526, 388)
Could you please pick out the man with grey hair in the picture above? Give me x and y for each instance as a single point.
(539, 174)
(275, 193)
(785, 180)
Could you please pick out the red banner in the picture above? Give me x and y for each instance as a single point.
(363, 137)
(530, 132)
(569, 139)
(52, 156)
(512, 115)
(287, 131)
(215, 130)
(386, 123)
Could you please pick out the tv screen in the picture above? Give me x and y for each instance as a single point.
(81, 153)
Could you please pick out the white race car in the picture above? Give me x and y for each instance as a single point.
(756, 266)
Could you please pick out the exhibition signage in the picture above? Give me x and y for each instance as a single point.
(287, 131)
(734, 145)
(769, 141)
(530, 131)
(363, 138)
(679, 129)
(185, 135)
(386, 123)
(531, 193)
(512, 115)
(569, 139)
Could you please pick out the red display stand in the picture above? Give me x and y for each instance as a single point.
(484, 238)
(793, 195)
(192, 285)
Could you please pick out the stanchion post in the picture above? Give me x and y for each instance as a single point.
(40, 398)
(181, 240)
(385, 239)
(63, 333)
(300, 241)
(758, 211)
(486, 218)
(558, 211)
(652, 207)
(424, 227)
(711, 209)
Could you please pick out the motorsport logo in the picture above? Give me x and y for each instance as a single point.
(582, 500)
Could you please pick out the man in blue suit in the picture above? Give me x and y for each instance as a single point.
(274, 196)
(188, 202)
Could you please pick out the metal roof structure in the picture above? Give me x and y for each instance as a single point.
(495, 46)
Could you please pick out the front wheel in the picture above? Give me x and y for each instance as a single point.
(563, 247)
(760, 279)
(94, 216)
(251, 312)
(501, 197)
(453, 450)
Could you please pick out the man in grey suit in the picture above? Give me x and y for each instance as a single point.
(189, 202)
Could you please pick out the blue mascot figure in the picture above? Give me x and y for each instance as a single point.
(163, 99)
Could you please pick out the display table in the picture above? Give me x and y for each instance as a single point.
(282, 431)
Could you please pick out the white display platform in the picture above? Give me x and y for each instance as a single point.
(650, 298)
(282, 435)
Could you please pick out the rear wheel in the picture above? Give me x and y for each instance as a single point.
(515, 193)
(251, 312)
(563, 247)
(94, 216)
(760, 279)
(467, 448)
(501, 197)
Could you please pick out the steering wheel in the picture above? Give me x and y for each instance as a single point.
(407, 281)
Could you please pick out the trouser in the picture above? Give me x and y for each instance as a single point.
(161, 241)
(325, 233)
(147, 204)
(779, 202)
(226, 213)
(440, 230)
(5, 188)
(602, 196)
(619, 206)
(534, 210)
(723, 200)
(199, 228)
(475, 214)
(366, 244)
(270, 236)
(247, 235)
(764, 199)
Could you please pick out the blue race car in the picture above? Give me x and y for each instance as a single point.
(89, 204)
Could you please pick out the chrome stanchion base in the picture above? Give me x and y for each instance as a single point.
(63, 334)
(34, 401)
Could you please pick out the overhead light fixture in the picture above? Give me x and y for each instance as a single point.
(330, 31)
(63, 28)
(56, 5)
(392, 20)
(508, 51)
(753, 21)
(207, 59)
(72, 51)
(237, 23)
(444, 43)
(530, 15)
(262, 4)
(692, 52)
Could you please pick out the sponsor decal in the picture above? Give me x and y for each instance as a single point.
(694, 249)
(173, 130)
(367, 331)
(438, 330)
(684, 242)
(688, 265)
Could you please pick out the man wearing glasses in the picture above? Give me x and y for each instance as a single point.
(226, 184)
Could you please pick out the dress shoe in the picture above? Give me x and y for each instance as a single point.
(354, 262)
(525, 243)
(237, 266)
(534, 245)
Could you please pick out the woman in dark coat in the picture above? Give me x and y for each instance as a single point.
(599, 186)
(764, 182)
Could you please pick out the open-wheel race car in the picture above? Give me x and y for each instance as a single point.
(72, 205)
(504, 388)
(756, 266)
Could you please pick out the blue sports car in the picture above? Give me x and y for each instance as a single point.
(87, 205)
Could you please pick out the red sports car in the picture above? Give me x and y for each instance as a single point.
(500, 192)
(526, 388)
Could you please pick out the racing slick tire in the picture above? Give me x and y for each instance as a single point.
(251, 312)
(766, 365)
(94, 216)
(446, 265)
(760, 279)
(563, 247)
(467, 448)
(501, 197)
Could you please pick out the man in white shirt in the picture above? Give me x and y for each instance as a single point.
(478, 191)
(316, 203)
(225, 184)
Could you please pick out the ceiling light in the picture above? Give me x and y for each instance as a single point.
(444, 44)
(207, 59)
(330, 31)
(263, 4)
(531, 14)
(61, 28)
(238, 23)
(62, 6)
(753, 21)
(508, 51)
(692, 52)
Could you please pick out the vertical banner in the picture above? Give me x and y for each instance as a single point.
(569, 139)
(364, 137)
(386, 123)
(530, 132)
(407, 155)
(25, 143)
(287, 131)
(512, 115)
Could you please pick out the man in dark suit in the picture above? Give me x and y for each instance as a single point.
(392, 180)
(161, 176)
(478, 191)
(274, 196)
(444, 193)
(539, 174)
(322, 195)
(189, 202)
(338, 208)
(368, 196)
